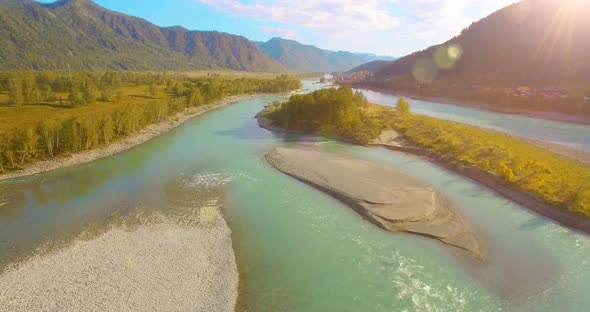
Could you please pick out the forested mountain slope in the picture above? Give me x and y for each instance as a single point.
(530, 42)
(79, 34)
(307, 58)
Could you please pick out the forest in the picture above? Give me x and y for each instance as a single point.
(94, 109)
(331, 112)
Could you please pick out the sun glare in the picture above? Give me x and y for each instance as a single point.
(562, 25)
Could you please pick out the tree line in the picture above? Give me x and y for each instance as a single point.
(52, 137)
(75, 89)
(71, 88)
(334, 112)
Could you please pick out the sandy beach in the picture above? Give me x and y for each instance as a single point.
(142, 136)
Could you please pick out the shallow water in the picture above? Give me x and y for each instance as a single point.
(298, 249)
(572, 135)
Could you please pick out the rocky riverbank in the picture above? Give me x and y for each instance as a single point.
(388, 198)
(164, 266)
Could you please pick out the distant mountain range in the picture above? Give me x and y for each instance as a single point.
(307, 58)
(530, 42)
(79, 34)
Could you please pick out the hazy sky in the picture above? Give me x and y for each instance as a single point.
(390, 27)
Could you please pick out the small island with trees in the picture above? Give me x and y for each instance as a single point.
(548, 183)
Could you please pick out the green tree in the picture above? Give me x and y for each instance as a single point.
(195, 98)
(15, 92)
(402, 107)
(75, 97)
(47, 134)
(89, 92)
(107, 128)
(27, 143)
(30, 89)
(106, 91)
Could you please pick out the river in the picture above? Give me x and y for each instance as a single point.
(298, 249)
(568, 134)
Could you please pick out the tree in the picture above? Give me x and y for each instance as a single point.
(106, 91)
(75, 97)
(9, 155)
(46, 132)
(108, 129)
(195, 98)
(402, 107)
(27, 143)
(15, 92)
(89, 92)
(30, 89)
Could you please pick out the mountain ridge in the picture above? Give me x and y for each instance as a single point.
(84, 35)
(514, 45)
(309, 58)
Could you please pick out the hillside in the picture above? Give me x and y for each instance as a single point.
(307, 58)
(79, 34)
(372, 67)
(531, 42)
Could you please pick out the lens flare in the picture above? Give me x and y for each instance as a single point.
(455, 51)
(446, 56)
(425, 70)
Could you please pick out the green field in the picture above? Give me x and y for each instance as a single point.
(17, 117)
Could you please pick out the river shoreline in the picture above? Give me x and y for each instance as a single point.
(551, 116)
(479, 176)
(144, 135)
(163, 266)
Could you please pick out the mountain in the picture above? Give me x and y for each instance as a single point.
(307, 58)
(541, 42)
(369, 57)
(372, 67)
(79, 34)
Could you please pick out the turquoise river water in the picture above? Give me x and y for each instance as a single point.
(298, 249)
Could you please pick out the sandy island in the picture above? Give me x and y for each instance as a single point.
(167, 266)
(142, 136)
(390, 199)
